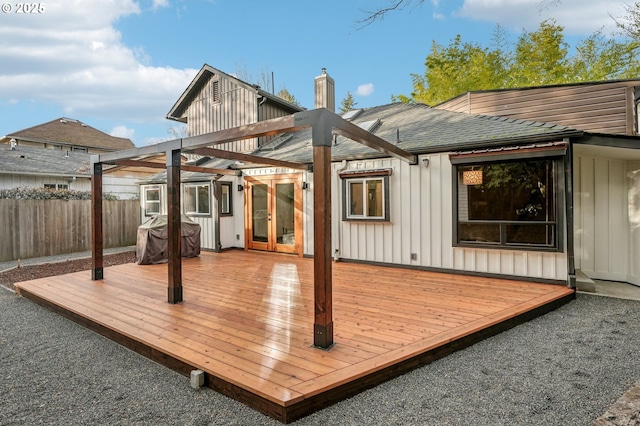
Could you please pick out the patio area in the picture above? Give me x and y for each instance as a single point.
(247, 321)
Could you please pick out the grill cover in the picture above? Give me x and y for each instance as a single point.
(151, 246)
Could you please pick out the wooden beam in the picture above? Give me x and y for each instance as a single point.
(263, 128)
(322, 266)
(188, 168)
(97, 237)
(356, 133)
(174, 227)
(256, 159)
(140, 163)
(209, 170)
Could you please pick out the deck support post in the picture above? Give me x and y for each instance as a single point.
(322, 267)
(174, 227)
(97, 237)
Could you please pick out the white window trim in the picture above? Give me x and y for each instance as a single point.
(145, 201)
(195, 185)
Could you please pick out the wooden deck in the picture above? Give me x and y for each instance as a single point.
(247, 321)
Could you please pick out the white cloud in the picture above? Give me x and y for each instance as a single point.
(73, 57)
(365, 89)
(122, 132)
(160, 3)
(438, 16)
(576, 16)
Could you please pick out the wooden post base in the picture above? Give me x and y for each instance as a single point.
(323, 336)
(97, 274)
(175, 294)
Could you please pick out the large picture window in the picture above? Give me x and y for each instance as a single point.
(366, 197)
(196, 199)
(508, 204)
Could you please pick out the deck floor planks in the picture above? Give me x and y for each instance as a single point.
(247, 317)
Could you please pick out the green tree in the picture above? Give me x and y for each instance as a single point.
(347, 103)
(630, 24)
(284, 94)
(539, 57)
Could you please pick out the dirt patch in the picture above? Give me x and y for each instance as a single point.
(32, 272)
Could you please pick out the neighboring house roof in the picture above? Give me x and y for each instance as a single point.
(67, 131)
(200, 80)
(26, 160)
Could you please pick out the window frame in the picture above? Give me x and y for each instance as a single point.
(363, 177)
(146, 201)
(186, 186)
(57, 186)
(229, 186)
(559, 201)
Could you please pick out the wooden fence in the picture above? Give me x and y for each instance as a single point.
(35, 228)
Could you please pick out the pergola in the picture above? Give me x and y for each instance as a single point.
(324, 124)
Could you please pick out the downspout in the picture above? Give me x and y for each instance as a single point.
(259, 114)
(336, 254)
(568, 183)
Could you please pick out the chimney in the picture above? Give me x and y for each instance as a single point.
(325, 91)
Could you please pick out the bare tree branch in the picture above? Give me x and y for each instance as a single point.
(378, 15)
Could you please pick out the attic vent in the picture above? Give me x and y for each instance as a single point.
(215, 91)
(350, 115)
(370, 126)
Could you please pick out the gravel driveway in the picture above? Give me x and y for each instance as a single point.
(565, 368)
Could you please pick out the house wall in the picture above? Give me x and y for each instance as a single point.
(598, 108)
(123, 188)
(607, 218)
(9, 181)
(422, 223)
(237, 106)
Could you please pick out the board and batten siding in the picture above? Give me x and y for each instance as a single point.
(421, 214)
(236, 106)
(607, 218)
(598, 108)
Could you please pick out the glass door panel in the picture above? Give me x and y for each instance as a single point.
(285, 215)
(260, 212)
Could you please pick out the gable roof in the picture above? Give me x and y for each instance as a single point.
(178, 110)
(27, 160)
(67, 131)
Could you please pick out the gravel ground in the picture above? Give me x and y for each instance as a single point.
(565, 368)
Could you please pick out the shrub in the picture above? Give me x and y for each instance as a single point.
(25, 193)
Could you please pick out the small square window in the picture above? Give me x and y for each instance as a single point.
(196, 199)
(366, 198)
(151, 200)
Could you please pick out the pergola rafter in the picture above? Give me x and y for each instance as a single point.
(323, 124)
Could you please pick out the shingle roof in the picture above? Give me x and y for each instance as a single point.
(72, 132)
(31, 160)
(421, 129)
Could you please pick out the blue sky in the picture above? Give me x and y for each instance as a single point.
(119, 65)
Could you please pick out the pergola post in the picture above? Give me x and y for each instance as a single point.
(174, 227)
(97, 261)
(322, 267)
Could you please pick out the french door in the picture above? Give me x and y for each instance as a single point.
(274, 213)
